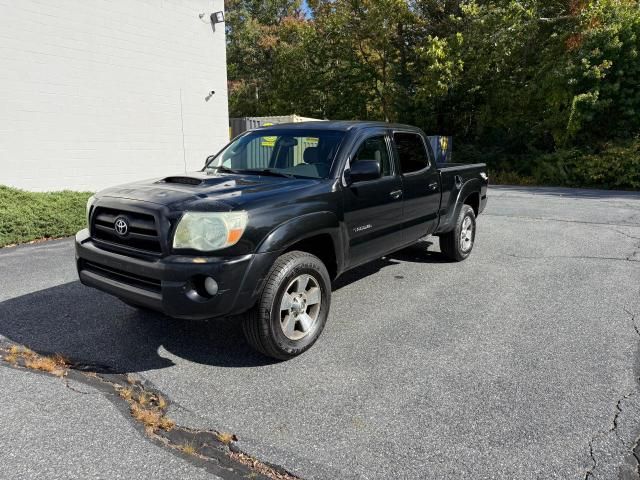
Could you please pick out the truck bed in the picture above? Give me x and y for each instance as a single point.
(453, 177)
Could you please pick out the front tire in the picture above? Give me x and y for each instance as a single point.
(292, 309)
(458, 243)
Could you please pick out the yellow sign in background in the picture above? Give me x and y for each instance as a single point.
(268, 141)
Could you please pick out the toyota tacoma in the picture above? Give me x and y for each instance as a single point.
(268, 224)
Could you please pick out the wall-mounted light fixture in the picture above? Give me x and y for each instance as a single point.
(217, 17)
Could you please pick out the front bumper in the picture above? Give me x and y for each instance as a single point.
(169, 284)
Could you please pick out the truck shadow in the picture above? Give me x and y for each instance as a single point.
(99, 331)
(419, 252)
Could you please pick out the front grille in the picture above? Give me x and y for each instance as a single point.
(121, 276)
(142, 232)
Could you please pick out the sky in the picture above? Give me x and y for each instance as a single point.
(305, 8)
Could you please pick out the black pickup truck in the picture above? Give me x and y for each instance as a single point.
(271, 220)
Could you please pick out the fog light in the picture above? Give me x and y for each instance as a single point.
(211, 286)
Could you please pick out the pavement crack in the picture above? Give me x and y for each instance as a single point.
(631, 257)
(75, 390)
(633, 320)
(571, 257)
(635, 448)
(636, 454)
(594, 463)
(562, 220)
(627, 235)
(614, 423)
(147, 408)
(613, 428)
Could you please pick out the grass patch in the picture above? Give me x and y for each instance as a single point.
(147, 408)
(125, 393)
(261, 467)
(27, 216)
(151, 418)
(55, 365)
(13, 355)
(188, 448)
(44, 364)
(226, 438)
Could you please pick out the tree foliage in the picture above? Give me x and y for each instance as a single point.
(510, 76)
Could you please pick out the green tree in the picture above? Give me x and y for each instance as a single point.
(604, 73)
(508, 78)
(267, 49)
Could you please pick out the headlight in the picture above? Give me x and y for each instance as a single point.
(206, 231)
(92, 199)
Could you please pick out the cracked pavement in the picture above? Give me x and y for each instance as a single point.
(50, 431)
(521, 362)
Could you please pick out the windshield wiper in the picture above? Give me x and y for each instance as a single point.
(269, 171)
(224, 169)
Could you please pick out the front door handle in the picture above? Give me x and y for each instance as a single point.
(433, 186)
(396, 194)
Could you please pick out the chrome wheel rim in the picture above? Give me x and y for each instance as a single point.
(300, 307)
(466, 234)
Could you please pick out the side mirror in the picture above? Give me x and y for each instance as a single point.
(363, 170)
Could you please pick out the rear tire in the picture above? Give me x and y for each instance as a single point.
(292, 310)
(458, 243)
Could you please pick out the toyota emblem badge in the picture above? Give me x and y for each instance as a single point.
(121, 226)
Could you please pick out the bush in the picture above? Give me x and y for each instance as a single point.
(611, 166)
(27, 216)
(616, 167)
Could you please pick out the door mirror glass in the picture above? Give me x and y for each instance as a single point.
(363, 170)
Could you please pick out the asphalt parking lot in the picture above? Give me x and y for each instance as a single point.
(521, 362)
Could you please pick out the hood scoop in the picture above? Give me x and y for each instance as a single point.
(182, 180)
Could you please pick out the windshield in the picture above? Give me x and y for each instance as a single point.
(287, 152)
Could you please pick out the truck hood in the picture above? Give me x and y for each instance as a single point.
(224, 191)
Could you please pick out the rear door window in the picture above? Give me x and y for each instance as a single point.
(412, 154)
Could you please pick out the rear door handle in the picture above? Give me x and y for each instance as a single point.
(396, 194)
(433, 187)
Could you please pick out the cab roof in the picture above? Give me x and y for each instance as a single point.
(340, 125)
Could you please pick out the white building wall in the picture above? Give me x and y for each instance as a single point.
(95, 93)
